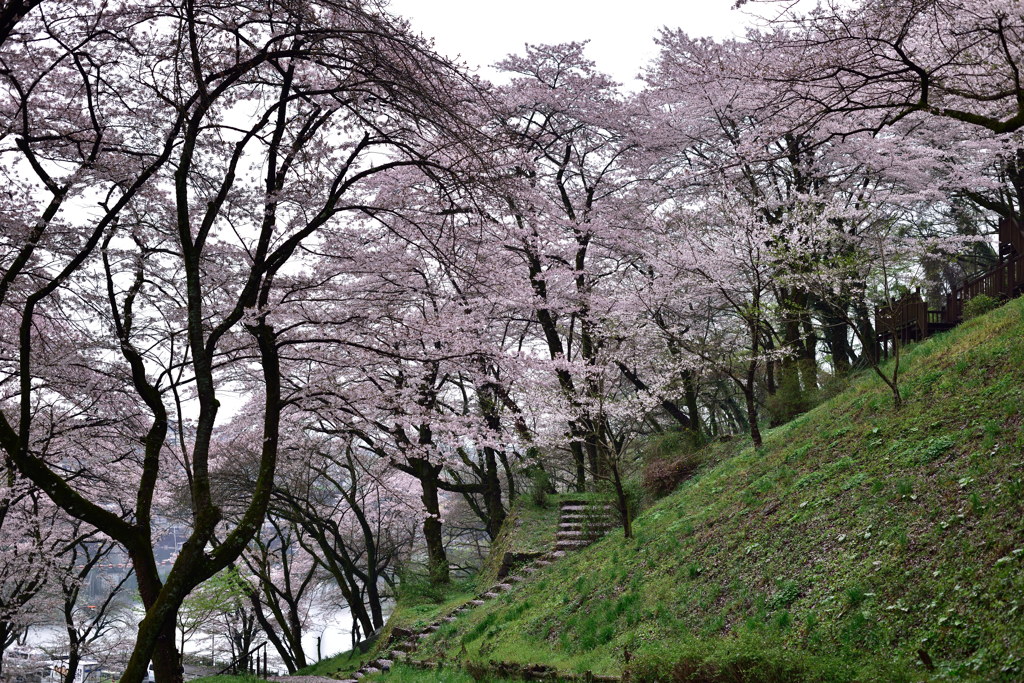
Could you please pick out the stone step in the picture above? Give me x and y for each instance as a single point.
(579, 533)
(587, 524)
(571, 545)
(514, 579)
(490, 595)
(586, 502)
(587, 508)
(541, 563)
(382, 664)
(603, 527)
(578, 517)
(475, 603)
(556, 554)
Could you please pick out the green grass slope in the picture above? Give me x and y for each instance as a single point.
(860, 543)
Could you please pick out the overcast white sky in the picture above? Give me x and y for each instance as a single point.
(621, 32)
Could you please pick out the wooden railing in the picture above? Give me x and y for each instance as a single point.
(1011, 238)
(249, 662)
(910, 319)
(1002, 282)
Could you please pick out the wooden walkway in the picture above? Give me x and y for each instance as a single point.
(910, 318)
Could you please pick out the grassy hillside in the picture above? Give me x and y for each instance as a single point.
(855, 538)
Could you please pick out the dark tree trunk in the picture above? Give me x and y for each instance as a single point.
(870, 352)
(159, 624)
(622, 502)
(690, 393)
(510, 479)
(271, 633)
(755, 430)
(837, 339)
(492, 494)
(437, 558)
(580, 460)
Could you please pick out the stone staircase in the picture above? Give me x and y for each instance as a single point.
(580, 523)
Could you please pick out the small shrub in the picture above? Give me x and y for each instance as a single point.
(787, 402)
(790, 401)
(855, 596)
(540, 486)
(672, 443)
(980, 305)
(785, 596)
(415, 588)
(904, 487)
(935, 448)
(663, 475)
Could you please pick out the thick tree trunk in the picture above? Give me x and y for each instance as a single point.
(594, 460)
(437, 558)
(871, 354)
(749, 387)
(166, 659)
(158, 626)
(510, 479)
(294, 635)
(492, 494)
(580, 460)
(74, 657)
(837, 339)
(755, 430)
(622, 502)
(5, 642)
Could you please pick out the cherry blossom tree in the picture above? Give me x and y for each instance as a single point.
(94, 602)
(873, 64)
(168, 164)
(568, 126)
(28, 565)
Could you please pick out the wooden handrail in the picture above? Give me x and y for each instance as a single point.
(910, 318)
(243, 657)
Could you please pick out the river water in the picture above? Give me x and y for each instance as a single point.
(332, 626)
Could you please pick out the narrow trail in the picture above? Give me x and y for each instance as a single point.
(580, 523)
